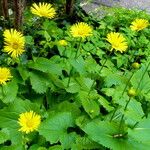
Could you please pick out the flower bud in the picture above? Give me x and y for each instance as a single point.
(136, 65)
(131, 92)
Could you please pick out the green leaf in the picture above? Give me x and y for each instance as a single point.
(4, 135)
(35, 147)
(85, 83)
(39, 81)
(55, 127)
(13, 147)
(89, 104)
(78, 64)
(47, 36)
(56, 147)
(73, 85)
(107, 133)
(108, 91)
(23, 72)
(29, 40)
(105, 103)
(134, 112)
(145, 83)
(86, 143)
(45, 65)
(10, 92)
(141, 132)
(114, 79)
(66, 106)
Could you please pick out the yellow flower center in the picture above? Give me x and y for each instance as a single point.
(115, 45)
(15, 45)
(29, 123)
(139, 26)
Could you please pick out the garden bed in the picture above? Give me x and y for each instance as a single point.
(75, 84)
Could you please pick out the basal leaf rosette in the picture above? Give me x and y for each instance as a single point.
(14, 42)
(43, 10)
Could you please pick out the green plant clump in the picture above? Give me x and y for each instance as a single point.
(80, 86)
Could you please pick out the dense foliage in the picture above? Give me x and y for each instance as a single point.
(81, 92)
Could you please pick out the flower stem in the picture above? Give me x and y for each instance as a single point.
(137, 89)
(143, 76)
(99, 72)
(127, 84)
(76, 55)
(78, 48)
(130, 97)
(125, 108)
(122, 95)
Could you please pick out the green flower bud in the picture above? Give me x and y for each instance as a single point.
(131, 92)
(136, 65)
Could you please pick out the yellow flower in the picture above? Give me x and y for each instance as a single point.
(139, 24)
(29, 121)
(63, 42)
(117, 41)
(14, 42)
(43, 10)
(81, 29)
(5, 75)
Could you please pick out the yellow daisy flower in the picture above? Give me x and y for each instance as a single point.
(14, 42)
(139, 24)
(5, 75)
(29, 121)
(81, 29)
(63, 42)
(117, 41)
(43, 10)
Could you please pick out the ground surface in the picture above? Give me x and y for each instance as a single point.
(98, 7)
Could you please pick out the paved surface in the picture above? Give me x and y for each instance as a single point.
(97, 7)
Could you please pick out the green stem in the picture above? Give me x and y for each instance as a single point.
(24, 142)
(78, 48)
(69, 76)
(137, 89)
(122, 95)
(127, 83)
(113, 114)
(143, 76)
(125, 108)
(47, 100)
(130, 97)
(136, 123)
(99, 72)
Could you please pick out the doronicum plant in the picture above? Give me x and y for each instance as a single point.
(75, 86)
